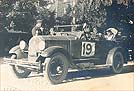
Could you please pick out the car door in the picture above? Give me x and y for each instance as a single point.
(82, 48)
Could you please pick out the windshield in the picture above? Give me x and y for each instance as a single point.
(67, 28)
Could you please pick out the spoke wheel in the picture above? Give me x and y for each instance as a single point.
(20, 72)
(117, 65)
(56, 68)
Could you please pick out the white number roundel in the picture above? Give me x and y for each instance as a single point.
(88, 49)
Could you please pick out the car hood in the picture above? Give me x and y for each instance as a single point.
(50, 37)
(49, 41)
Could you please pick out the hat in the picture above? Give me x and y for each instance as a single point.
(39, 21)
(112, 30)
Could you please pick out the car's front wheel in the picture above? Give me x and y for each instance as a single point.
(20, 72)
(117, 65)
(56, 68)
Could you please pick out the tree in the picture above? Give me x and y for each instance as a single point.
(21, 15)
(97, 13)
(5, 8)
(92, 12)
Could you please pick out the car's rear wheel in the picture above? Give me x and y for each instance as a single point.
(20, 72)
(117, 65)
(56, 68)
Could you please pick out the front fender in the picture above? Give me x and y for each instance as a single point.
(16, 50)
(51, 50)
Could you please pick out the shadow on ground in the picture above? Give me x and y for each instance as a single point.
(88, 74)
(91, 74)
(96, 73)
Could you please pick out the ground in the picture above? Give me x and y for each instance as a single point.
(99, 79)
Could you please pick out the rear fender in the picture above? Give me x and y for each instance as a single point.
(17, 51)
(109, 59)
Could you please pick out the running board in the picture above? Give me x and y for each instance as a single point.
(91, 66)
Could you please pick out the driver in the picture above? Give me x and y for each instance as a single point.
(86, 35)
(37, 27)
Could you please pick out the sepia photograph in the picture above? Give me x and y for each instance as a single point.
(66, 45)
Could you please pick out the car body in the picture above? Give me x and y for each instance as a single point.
(59, 51)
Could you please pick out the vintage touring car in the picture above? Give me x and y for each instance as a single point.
(57, 52)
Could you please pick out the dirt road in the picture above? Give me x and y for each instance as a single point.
(100, 79)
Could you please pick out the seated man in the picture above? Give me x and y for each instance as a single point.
(111, 34)
(86, 33)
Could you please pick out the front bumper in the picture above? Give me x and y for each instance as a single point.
(23, 63)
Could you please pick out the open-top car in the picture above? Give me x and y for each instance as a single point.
(57, 52)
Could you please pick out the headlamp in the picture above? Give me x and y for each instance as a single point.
(22, 45)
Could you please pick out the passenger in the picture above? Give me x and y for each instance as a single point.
(111, 34)
(94, 33)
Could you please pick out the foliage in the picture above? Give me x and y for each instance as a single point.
(120, 17)
(102, 14)
(5, 8)
(21, 15)
(91, 12)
